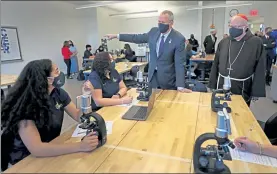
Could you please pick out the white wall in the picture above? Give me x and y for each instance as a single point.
(42, 28)
(219, 20)
(108, 25)
(186, 23)
(267, 9)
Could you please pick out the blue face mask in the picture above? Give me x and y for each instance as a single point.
(163, 27)
(235, 32)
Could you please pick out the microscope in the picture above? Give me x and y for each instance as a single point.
(104, 44)
(210, 159)
(143, 89)
(91, 121)
(215, 100)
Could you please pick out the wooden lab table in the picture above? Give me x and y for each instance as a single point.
(8, 80)
(122, 67)
(162, 144)
(121, 56)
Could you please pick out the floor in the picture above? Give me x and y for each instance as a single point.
(262, 109)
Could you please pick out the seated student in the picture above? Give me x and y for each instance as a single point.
(191, 54)
(32, 116)
(107, 87)
(129, 54)
(243, 143)
(87, 53)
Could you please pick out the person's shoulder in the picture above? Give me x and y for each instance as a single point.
(177, 33)
(154, 30)
(178, 36)
(60, 92)
(93, 74)
(256, 39)
(224, 41)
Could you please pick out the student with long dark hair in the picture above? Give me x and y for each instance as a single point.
(66, 56)
(106, 86)
(32, 115)
(129, 54)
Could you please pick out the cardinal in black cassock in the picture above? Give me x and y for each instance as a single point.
(241, 57)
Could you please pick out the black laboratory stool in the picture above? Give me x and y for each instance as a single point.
(203, 71)
(269, 128)
(133, 72)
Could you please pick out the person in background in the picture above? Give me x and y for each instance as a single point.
(209, 42)
(67, 55)
(225, 36)
(194, 43)
(74, 59)
(269, 45)
(235, 60)
(32, 116)
(129, 53)
(106, 86)
(167, 53)
(191, 54)
(260, 34)
(245, 144)
(256, 33)
(87, 53)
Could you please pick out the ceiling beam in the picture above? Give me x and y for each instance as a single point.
(100, 4)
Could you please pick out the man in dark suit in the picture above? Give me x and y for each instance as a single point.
(209, 42)
(167, 53)
(269, 45)
(193, 42)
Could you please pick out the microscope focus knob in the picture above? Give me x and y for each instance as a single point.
(203, 161)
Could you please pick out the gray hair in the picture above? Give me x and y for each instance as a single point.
(169, 13)
(268, 29)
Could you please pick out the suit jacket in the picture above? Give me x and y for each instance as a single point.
(170, 64)
(209, 44)
(269, 45)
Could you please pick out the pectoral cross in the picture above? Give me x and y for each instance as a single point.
(230, 69)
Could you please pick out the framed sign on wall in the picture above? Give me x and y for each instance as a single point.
(10, 46)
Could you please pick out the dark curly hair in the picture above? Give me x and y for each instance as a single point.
(102, 64)
(28, 99)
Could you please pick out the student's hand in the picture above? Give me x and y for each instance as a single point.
(184, 90)
(89, 142)
(88, 86)
(127, 100)
(111, 36)
(245, 144)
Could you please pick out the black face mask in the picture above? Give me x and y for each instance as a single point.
(163, 27)
(235, 32)
(71, 45)
(59, 80)
(192, 37)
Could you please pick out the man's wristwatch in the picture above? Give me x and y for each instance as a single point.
(118, 95)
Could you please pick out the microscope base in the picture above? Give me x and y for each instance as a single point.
(211, 166)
